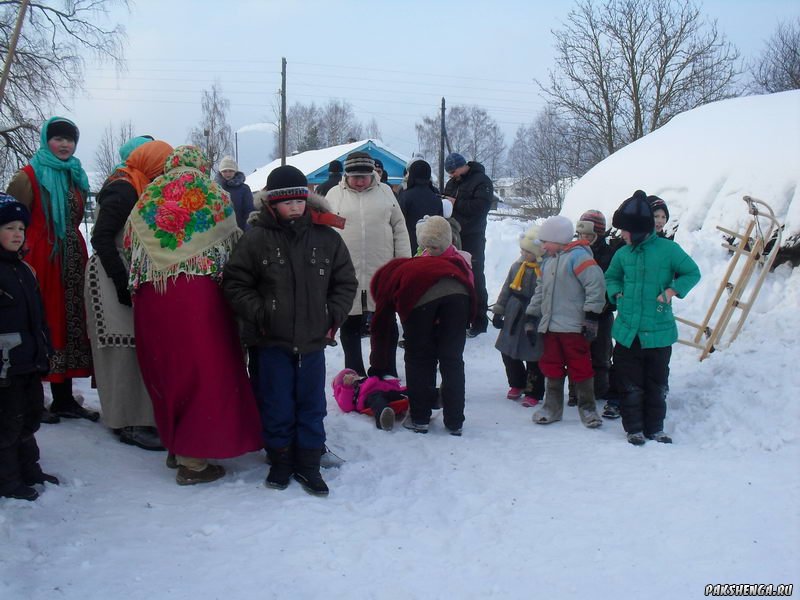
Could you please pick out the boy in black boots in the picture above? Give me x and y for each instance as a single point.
(24, 350)
(290, 280)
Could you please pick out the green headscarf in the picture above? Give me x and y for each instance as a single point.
(129, 146)
(56, 176)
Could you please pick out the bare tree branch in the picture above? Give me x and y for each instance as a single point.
(48, 65)
(213, 134)
(626, 67)
(778, 67)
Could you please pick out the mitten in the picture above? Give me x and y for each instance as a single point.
(530, 327)
(590, 326)
(497, 321)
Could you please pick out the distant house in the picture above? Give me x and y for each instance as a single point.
(314, 163)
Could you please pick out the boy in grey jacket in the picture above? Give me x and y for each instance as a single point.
(566, 307)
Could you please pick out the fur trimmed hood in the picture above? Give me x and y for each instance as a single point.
(317, 205)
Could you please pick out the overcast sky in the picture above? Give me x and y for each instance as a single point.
(393, 61)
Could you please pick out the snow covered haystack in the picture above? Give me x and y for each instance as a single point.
(703, 162)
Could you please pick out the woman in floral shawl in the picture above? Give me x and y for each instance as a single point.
(54, 187)
(126, 405)
(178, 236)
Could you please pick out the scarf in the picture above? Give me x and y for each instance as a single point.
(182, 223)
(128, 147)
(516, 285)
(143, 165)
(57, 177)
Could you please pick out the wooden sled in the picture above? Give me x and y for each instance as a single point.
(755, 259)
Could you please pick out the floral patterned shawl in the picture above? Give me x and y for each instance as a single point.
(182, 223)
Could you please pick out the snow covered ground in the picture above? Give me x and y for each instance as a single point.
(510, 510)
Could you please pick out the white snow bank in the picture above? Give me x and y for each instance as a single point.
(703, 162)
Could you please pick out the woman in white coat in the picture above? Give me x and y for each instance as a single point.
(375, 233)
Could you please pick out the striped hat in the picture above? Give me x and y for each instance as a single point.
(598, 219)
(286, 183)
(358, 163)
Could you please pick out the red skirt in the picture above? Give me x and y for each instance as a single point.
(193, 367)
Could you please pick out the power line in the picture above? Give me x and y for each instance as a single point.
(359, 68)
(457, 100)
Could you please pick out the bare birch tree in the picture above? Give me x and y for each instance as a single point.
(214, 134)
(778, 67)
(106, 157)
(624, 68)
(471, 131)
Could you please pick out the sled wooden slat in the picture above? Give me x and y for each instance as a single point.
(751, 249)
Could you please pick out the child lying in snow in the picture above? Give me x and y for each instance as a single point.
(383, 398)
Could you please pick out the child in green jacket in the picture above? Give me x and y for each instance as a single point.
(642, 279)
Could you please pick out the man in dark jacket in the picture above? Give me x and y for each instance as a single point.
(290, 280)
(231, 179)
(420, 198)
(334, 177)
(471, 192)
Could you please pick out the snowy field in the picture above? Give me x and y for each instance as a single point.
(510, 510)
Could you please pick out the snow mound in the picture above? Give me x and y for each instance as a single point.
(703, 162)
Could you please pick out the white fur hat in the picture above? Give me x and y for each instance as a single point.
(529, 241)
(434, 232)
(557, 229)
(228, 163)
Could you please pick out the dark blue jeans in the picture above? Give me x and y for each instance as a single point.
(290, 389)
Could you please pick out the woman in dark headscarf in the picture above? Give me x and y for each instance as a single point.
(123, 397)
(54, 187)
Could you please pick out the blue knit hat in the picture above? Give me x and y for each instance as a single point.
(453, 161)
(13, 210)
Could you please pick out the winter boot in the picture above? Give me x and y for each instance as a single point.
(22, 492)
(530, 401)
(514, 393)
(637, 439)
(587, 405)
(142, 437)
(384, 416)
(611, 411)
(40, 477)
(409, 424)
(186, 476)
(306, 471)
(385, 419)
(553, 408)
(659, 436)
(281, 461)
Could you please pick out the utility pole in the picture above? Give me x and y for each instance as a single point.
(23, 7)
(283, 111)
(442, 135)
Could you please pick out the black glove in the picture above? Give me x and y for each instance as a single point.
(124, 296)
(530, 328)
(497, 321)
(590, 326)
